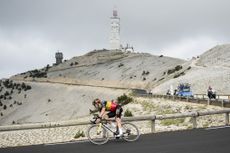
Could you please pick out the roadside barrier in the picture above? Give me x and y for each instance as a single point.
(152, 118)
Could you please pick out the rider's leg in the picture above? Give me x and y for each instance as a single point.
(118, 120)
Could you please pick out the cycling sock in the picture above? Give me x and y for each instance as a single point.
(112, 124)
(120, 131)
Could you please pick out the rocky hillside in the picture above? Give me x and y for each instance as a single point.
(43, 102)
(110, 69)
(210, 69)
(217, 56)
(65, 91)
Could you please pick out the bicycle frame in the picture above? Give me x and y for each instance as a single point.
(106, 127)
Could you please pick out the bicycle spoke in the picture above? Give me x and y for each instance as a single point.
(97, 135)
(131, 132)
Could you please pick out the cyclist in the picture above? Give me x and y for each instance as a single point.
(114, 110)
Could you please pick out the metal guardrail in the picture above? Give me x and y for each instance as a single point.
(203, 100)
(152, 118)
(217, 96)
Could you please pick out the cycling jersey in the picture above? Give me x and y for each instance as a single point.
(109, 106)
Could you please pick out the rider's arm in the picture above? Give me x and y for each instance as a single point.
(102, 112)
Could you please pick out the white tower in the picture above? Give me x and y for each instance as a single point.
(115, 31)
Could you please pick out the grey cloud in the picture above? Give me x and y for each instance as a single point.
(78, 26)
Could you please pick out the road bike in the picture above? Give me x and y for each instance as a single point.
(100, 133)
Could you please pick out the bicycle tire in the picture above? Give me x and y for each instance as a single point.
(95, 137)
(130, 132)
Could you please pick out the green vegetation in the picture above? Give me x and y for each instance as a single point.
(168, 122)
(124, 99)
(120, 65)
(178, 75)
(37, 74)
(128, 113)
(161, 79)
(177, 68)
(148, 106)
(79, 134)
(166, 111)
(189, 68)
(4, 107)
(145, 73)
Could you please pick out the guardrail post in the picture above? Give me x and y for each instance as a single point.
(153, 125)
(208, 101)
(227, 118)
(222, 102)
(194, 120)
(187, 99)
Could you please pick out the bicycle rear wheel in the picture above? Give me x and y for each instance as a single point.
(97, 135)
(130, 132)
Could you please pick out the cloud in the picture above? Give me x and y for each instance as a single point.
(190, 47)
(32, 31)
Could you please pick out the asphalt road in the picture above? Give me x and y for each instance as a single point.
(191, 141)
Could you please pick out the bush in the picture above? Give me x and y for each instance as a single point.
(1, 114)
(124, 99)
(145, 73)
(1, 103)
(79, 134)
(168, 122)
(178, 67)
(144, 79)
(4, 107)
(178, 75)
(128, 113)
(28, 87)
(120, 65)
(23, 85)
(7, 93)
(161, 79)
(189, 68)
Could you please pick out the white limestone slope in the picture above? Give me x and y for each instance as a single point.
(115, 69)
(53, 102)
(211, 69)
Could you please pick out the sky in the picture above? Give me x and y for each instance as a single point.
(31, 31)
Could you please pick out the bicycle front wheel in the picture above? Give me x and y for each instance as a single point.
(130, 132)
(97, 134)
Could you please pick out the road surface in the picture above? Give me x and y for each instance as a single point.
(191, 141)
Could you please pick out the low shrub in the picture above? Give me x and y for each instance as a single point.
(120, 65)
(168, 122)
(124, 99)
(128, 113)
(4, 107)
(79, 134)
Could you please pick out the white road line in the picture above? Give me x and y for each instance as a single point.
(68, 142)
(219, 127)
